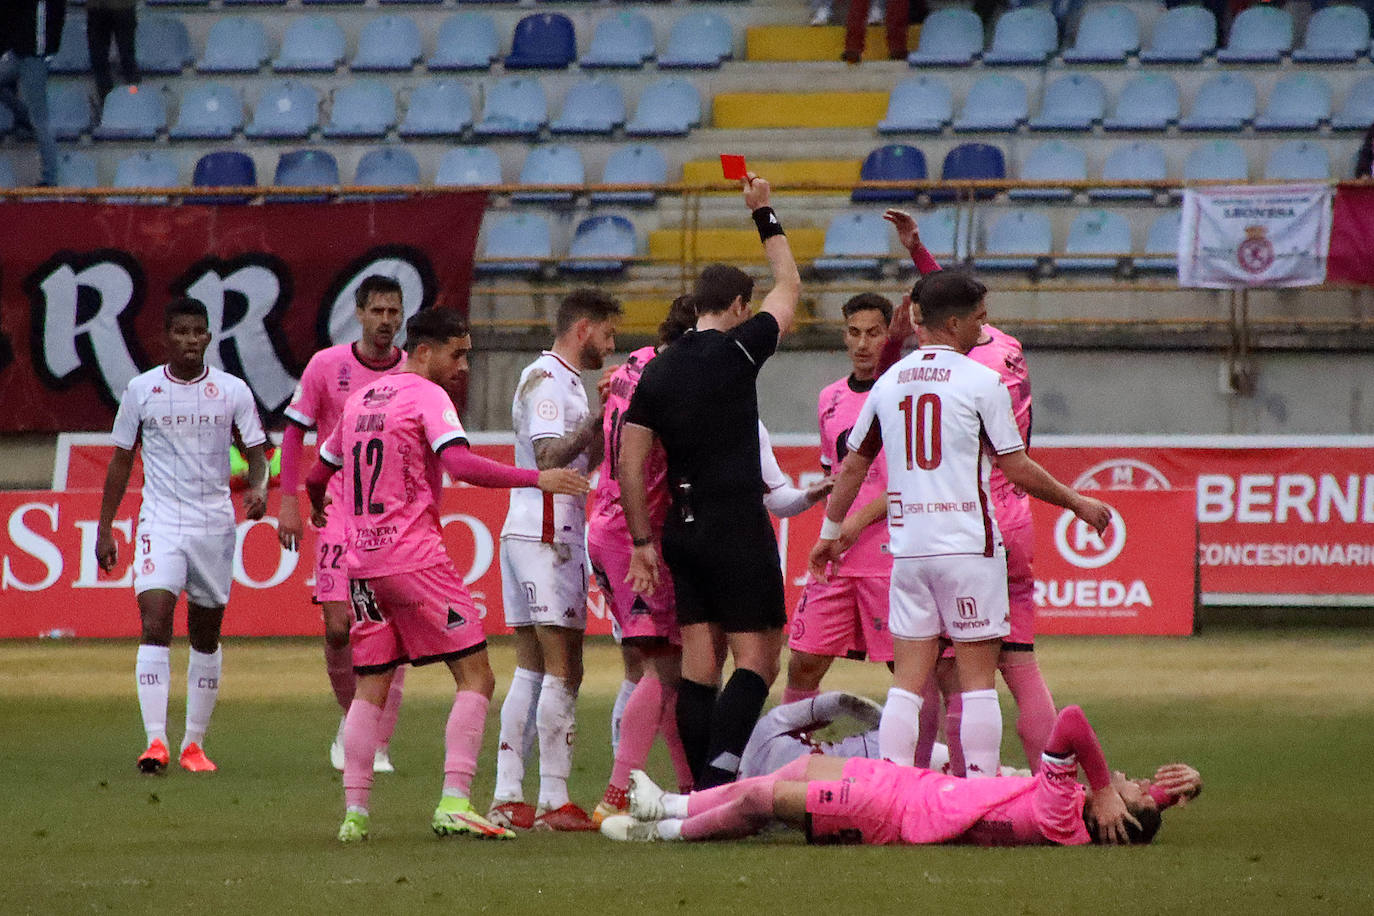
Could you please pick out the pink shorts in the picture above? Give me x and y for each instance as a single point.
(864, 806)
(639, 616)
(418, 617)
(1020, 543)
(843, 617)
(331, 576)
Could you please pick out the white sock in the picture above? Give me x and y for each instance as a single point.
(898, 728)
(939, 757)
(674, 805)
(154, 672)
(517, 727)
(670, 829)
(557, 734)
(627, 687)
(202, 690)
(980, 732)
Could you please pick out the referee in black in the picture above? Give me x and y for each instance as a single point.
(699, 399)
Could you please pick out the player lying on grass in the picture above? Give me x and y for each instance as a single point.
(876, 802)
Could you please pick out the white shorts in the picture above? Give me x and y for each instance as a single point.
(202, 565)
(964, 598)
(544, 584)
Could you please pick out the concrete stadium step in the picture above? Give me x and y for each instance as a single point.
(798, 109)
(779, 171)
(804, 42)
(731, 244)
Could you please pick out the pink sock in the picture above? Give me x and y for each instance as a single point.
(463, 739)
(338, 664)
(638, 726)
(954, 714)
(748, 809)
(392, 709)
(708, 799)
(1035, 713)
(360, 745)
(794, 694)
(667, 725)
(929, 722)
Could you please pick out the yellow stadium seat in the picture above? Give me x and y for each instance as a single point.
(798, 109)
(643, 315)
(804, 42)
(738, 245)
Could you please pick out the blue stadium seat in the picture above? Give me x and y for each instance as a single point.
(1184, 34)
(542, 41)
(1335, 34)
(440, 108)
(600, 245)
(1017, 240)
(515, 107)
(1224, 102)
(1098, 241)
(515, 243)
(391, 166)
(1028, 35)
(622, 39)
(638, 163)
(208, 111)
(1300, 101)
(894, 162)
(365, 108)
(1260, 34)
(149, 169)
(945, 234)
(1357, 111)
(555, 164)
(69, 110)
(312, 44)
(1054, 160)
(950, 36)
(305, 168)
(162, 45)
(699, 40)
(969, 161)
(1217, 160)
(468, 165)
(333, 2)
(1148, 101)
(1073, 102)
(855, 241)
(668, 107)
(235, 44)
(73, 55)
(996, 102)
(254, 2)
(1161, 243)
(177, 2)
(592, 106)
(918, 104)
(1298, 160)
(286, 109)
(131, 113)
(1107, 34)
(76, 169)
(1141, 160)
(388, 43)
(466, 41)
(224, 169)
(7, 179)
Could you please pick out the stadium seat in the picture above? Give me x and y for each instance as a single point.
(1161, 243)
(1073, 102)
(668, 107)
(208, 111)
(365, 108)
(1107, 34)
(1335, 34)
(969, 161)
(894, 162)
(305, 168)
(555, 164)
(312, 44)
(391, 166)
(73, 54)
(223, 169)
(466, 41)
(699, 40)
(235, 44)
(996, 102)
(1217, 160)
(1260, 34)
(1141, 160)
(944, 232)
(76, 169)
(515, 107)
(1098, 240)
(468, 165)
(515, 243)
(1017, 240)
(1224, 102)
(440, 108)
(388, 43)
(254, 2)
(176, 2)
(855, 241)
(1149, 101)
(542, 41)
(1299, 101)
(1184, 34)
(622, 39)
(918, 104)
(639, 163)
(601, 245)
(1024, 36)
(950, 36)
(149, 169)
(1357, 112)
(69, 110)
(162, 45)
(1298, 160)
(592, 106)
(7, 179)
(131, 113)
(1054, 160)
(286, 109)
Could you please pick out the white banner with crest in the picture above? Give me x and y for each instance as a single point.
(1254, 235)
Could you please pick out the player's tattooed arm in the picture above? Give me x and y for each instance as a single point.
(1026, 473)
(116, 482)
(255, 500)
(561, 451)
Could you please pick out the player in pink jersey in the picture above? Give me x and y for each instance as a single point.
(329, 378)
(393, 442)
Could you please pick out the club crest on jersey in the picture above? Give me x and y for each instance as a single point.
(157, 389)
(546, 410)
(376, 397)
(345, 375)
(211, 390)
(148, 567)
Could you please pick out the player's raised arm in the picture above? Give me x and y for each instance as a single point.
(782, 299)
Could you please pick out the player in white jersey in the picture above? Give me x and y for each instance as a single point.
(544, 566)
(183, 415)
(937, 414)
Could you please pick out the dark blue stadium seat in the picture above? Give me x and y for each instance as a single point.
(543, 41)
(223, 169)
(969, 161)
(894, 162)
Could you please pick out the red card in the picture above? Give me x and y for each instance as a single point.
(732, 166)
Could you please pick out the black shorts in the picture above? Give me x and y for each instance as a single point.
(725, 566)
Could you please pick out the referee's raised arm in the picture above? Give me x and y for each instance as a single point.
(781, 300)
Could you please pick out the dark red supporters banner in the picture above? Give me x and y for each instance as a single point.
(1351, 258)
(82, 287)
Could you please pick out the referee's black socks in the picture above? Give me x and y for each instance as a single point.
(696, 702)
(737, 711)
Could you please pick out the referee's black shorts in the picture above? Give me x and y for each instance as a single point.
(725, 565)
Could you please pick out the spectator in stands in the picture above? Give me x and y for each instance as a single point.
(1364, 160)
(107, 20)
(898, 15)
(30, 33)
